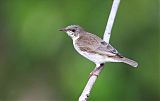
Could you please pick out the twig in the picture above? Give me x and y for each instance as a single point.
(86, 92)
(110, 22)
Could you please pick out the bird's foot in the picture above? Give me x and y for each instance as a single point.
(94, 72)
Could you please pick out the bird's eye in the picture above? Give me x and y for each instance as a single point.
(73, 30)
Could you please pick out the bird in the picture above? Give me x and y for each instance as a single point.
(94, 48)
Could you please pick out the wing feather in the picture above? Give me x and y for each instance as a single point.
(93, 44)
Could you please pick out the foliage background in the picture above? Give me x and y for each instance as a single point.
(39, 63)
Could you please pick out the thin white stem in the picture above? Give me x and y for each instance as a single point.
(86, 92)
(111, 19)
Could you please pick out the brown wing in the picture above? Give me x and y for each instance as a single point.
(108, 49)
(88, 43)
(93, 44)
(88, 40)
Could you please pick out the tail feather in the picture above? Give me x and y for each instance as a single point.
(130, 62)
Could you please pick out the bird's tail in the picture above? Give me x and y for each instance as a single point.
(129, 61)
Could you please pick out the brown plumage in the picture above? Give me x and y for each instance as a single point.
(93, 44)
(94, 48)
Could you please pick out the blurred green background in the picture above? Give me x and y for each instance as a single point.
(39, 63)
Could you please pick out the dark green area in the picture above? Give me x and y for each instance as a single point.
(39, 63)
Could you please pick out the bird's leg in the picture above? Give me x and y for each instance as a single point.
(94, 72)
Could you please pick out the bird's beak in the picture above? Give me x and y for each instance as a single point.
(63, 30)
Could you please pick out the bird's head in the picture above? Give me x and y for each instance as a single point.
(73, 31)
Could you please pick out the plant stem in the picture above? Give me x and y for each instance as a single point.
(86, 92)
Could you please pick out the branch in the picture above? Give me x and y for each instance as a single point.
(110, 22)
(86, 92)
